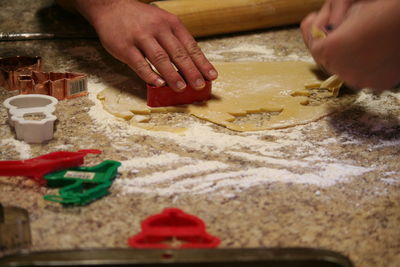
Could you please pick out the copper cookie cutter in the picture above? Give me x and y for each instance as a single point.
(24, 74)
(59, 85)
(12, 67)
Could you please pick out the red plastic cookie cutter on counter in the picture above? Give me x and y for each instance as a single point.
(37, 167)
(160, 230)
(164, 96)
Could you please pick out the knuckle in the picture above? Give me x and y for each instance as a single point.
(141, 68)
(173, 19)
(326, 55)
(305, 23)
(141, 38)
(194, 50)
(160, 57)
(155, 20)
(173, 22)
(180, 55)
(329, 58)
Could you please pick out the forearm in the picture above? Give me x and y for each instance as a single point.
(89, 8)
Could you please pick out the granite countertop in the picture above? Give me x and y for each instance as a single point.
(332, 184)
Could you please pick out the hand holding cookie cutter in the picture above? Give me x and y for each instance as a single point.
(32, 116)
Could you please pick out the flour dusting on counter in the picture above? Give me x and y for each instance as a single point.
(23, 149)
(332, 184)
(248, 52)
(229, 161)
(210, 159)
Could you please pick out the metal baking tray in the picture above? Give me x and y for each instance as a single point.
(268, 257)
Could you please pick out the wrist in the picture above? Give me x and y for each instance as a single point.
(93, 10)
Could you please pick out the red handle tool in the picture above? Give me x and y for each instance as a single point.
(39, 166)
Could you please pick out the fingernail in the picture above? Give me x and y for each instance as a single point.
(159, 82)
(213, 74)
(180, 85)
(199, 84)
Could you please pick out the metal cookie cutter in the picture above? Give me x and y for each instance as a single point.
(59, 85)
(32, 117)
(12, 67)
(205, 257)
(15, 231)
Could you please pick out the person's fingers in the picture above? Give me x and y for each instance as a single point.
(198, 57)
(181, 59)
(136, 61)
(337, 13)
(306, 26)
(321, 54)
(322, 18)
(162, 62)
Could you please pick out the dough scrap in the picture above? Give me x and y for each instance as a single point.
(248, 96)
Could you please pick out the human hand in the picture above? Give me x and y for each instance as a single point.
(362, 43)
(132, 32)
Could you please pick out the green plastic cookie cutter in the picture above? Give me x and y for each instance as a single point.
(82, 185)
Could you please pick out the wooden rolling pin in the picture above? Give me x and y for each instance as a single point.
(210, 17)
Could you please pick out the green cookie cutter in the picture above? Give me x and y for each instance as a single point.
(82, 185)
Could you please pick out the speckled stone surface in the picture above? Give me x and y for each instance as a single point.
(359, 217)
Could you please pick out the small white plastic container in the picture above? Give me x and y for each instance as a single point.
(32, 116)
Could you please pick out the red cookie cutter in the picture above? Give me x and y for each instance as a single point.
(37, 167)
(164, 96)
(173, 225)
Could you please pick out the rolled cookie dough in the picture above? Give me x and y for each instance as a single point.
(248, 96)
